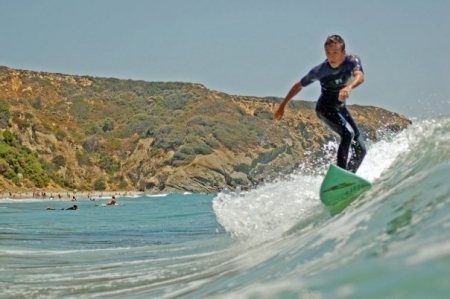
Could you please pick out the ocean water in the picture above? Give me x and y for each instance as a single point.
(274, 241)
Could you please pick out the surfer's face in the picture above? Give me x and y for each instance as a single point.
(335, 54)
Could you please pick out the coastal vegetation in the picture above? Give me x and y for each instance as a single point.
(89, 133)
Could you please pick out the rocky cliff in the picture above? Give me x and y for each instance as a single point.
(94, 133)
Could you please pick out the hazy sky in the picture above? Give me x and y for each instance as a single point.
(240, 47)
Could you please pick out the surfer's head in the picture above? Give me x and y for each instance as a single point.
(335, 50)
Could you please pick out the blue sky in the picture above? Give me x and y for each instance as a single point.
(240, 47)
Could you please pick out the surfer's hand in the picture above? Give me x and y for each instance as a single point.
(278, 115)
(344, 93)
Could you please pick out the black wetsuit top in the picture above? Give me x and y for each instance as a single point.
(334, 113)
(71, 208)
(332, 80)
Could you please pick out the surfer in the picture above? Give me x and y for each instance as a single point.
(74, 207)
(338, 75)
(112, 201)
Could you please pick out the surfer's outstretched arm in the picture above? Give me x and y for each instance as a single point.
(292, 93)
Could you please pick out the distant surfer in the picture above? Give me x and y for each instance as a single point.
(112, 201)
(338, 75)
(74, 207)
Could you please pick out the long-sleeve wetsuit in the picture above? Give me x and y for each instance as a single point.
(334, 113)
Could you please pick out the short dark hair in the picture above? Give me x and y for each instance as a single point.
(335, 39)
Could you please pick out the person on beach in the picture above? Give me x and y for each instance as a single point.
(338, 75)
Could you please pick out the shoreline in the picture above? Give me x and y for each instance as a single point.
(66, 195)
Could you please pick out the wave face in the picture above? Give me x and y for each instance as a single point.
(274, 241)
(392, 243)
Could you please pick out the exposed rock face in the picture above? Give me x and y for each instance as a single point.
(58, 108)
(306, 137)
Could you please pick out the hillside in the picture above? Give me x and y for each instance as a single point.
(87, 133)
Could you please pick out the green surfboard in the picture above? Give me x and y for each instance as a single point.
(340, 188)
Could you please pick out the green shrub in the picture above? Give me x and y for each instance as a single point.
(191, 138)
(20, 160)
(176, 101)
(100, 184)
(108, 124)
(21, 123)
(59, 160)
(227, 138)
(4, 166)
(202, 149)
(83, 159)
(154, 152)
(211, 142)
(109, 164)
(182, 162)
(79, 108)
(93, 129)
(47, 126)
(187, 150)
(199, 148)
(28, 115)
(40, 180)
(49, 167)
(179, 156)
(4, 113)
(263, 113)
(199, 131)
(16, 181)
(92, 144)
(60, 134)
(9, 174)
(41, 81)
(62, 181)
(113, 144)
(142, 124)
(169, 137)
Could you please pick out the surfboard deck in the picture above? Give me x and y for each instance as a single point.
(340, 188)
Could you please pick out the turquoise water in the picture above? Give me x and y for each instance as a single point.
(276, 241)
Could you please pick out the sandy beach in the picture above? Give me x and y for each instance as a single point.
(68, 195)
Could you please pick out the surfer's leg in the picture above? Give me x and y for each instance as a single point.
(357, 144)
(359, 151)
(335, 120)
